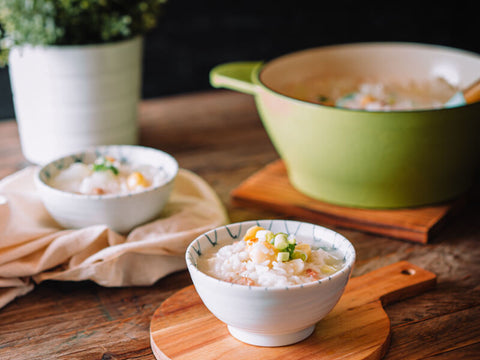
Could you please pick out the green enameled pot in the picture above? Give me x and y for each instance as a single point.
(361, 158)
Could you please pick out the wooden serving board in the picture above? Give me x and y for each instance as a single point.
(270, 189)
(357, 328)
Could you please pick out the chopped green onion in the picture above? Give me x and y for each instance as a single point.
(103, 164)
(291, 239)
(290, 248)
(298, 254)
(283, 256)
(280, 241)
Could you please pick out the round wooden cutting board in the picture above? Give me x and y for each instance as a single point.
(357, 328)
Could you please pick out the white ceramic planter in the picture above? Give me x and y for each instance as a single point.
(68, 98)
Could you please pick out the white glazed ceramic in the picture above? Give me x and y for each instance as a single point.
(273, 316)
(68, 98)
(119, 212)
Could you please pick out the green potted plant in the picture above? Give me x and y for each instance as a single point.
(75, 71)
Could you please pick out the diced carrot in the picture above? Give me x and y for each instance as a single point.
(367, 99)
(241, 281)
(98, 191)
(312, 274)
(245, 281)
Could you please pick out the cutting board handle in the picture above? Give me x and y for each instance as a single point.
(183, 328)
(391, 283)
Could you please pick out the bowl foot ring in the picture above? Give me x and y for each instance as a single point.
(270, 340)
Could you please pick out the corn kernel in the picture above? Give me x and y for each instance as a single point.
(136, 179)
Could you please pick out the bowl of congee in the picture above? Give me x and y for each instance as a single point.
(270, 281)
(371, 125)
(121, 186)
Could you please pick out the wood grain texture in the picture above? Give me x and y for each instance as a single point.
(270, 188)
(218, 135)
(357, 328)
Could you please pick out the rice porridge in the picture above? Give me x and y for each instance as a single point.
(374, 94)
(107, 176)
(263, 258)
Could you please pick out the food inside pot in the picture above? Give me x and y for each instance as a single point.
(374, 94)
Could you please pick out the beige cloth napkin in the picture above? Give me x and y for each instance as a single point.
(33, 248)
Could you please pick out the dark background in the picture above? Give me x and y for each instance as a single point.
(193, 36)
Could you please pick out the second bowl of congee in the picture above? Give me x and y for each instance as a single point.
(120, 186)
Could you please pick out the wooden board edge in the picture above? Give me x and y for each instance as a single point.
(421, 237)
(157, 353)
(422, 234)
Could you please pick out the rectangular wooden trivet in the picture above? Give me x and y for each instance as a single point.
(270, 189)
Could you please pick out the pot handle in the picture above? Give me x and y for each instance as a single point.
(235, 76)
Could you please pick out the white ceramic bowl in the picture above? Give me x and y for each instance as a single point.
(273, 316)
(119, 212)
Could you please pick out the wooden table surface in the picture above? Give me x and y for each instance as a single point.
(218, 135)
